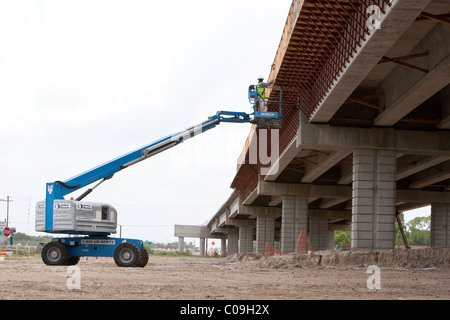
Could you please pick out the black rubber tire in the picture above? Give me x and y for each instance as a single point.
(71, 261)
(144, 259)
(54, 254)
(127, 255)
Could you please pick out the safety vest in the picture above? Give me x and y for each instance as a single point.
(261, 93)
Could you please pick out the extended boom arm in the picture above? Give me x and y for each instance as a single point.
(261, 118)
(58, 189)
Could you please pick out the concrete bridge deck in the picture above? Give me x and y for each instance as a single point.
(365, 133)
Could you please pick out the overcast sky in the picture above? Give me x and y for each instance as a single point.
(82, 82)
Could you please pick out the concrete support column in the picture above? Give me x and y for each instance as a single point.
(318, 231)
(265, 231)
(330, 239)
(294, 218)
(180, 244)
(202, 246)
(233, 240)
(246, 238)
(440, 228)
(374, 196)
(223, 246)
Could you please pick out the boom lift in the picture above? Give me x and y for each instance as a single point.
(93, 223)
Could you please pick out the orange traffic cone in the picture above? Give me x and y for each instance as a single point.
(2, 254)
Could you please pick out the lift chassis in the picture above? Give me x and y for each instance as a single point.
(67, 251)
(90, 224)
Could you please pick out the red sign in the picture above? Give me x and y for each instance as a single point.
(6, 232)
(213, 243)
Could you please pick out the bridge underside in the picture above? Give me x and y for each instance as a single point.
(365, 134)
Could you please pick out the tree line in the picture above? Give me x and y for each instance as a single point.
(417, 232)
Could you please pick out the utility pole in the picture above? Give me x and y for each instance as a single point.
(7, 208)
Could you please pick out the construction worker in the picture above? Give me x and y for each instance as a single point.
(261, 93)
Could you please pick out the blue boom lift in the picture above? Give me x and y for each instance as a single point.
(93, 223)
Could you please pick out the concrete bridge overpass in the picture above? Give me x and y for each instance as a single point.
(365, 134)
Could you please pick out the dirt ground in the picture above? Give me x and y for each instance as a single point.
(404, 275)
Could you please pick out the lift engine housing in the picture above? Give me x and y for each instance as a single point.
(77, 217)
